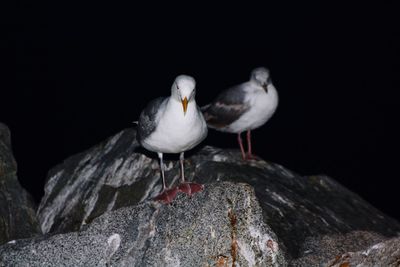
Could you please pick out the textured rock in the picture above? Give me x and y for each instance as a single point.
(221, 226)
(116, 173)
(385, 254)
(17, 210)
(319, 251)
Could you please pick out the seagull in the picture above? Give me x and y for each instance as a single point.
(173, 124)
(243, 107)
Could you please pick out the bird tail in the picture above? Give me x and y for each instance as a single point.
(207, 116)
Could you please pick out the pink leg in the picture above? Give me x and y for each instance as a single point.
(160, 156)
(241, 146)
(186, 187)
(249, 151)
(181, 163)
(167, 195)
(249, 154)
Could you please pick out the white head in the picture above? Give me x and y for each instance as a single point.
(261, 77)
(183, 90)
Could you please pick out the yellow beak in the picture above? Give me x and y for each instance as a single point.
(184, 105)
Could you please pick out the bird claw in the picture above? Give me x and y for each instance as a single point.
(251, 157)
(167, 196)
(190, 188)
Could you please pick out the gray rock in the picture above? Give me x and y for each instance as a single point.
(319, 251)
(221, 226)
(17, 209)
(117, 174)
(385, 254)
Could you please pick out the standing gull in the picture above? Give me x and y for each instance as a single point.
(244, 107)
(173, 124)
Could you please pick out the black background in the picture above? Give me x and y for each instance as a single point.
(77, 73)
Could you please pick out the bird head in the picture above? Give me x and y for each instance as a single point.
(184, 90)
(261, 77)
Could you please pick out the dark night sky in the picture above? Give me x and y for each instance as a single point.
(77, 73)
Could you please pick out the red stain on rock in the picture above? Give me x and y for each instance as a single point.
(222, 261)
(270, 245)
(234, 246)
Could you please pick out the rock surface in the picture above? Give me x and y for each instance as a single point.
(97, 211)
(116, 173)
(385, 254)
(221, 226)
(319, 251)
(17, 209)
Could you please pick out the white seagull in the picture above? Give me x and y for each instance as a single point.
(173, 124)
(244, 107)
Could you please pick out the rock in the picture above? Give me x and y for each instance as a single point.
(319, 251)
(117, 174)
(17, 209)
(97, 211)
(386, 254)
(221, 226)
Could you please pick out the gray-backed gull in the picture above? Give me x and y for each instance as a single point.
(244, 107)
(173, 124)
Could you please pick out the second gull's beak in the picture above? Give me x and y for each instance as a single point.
(184, 105)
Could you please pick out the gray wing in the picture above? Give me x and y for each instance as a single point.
(148, 118)
(226, 108)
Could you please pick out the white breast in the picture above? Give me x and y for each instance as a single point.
(175, 131)
(262, 106)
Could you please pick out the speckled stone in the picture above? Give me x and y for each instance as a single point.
(319, 251)
(17, 209)
(385, 254)
(221, 226)
(117, 173)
